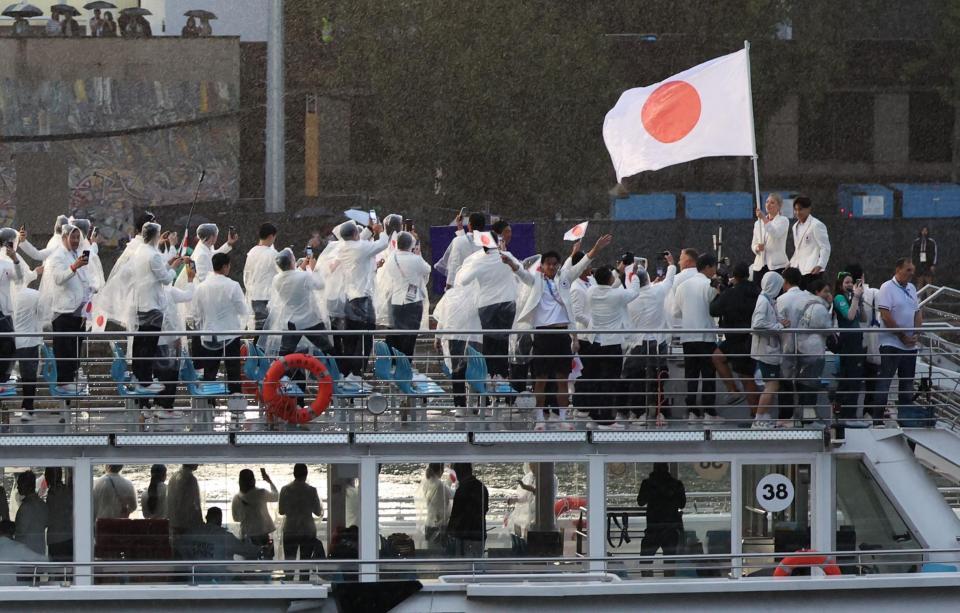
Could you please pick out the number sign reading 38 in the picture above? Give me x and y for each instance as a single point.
(774, 493)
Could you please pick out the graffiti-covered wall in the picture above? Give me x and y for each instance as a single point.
(99, 127)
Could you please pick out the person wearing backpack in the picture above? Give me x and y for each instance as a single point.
(812, 346)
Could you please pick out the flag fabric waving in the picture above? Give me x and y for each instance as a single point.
(484, 239)
(705, 111)
(576, 232)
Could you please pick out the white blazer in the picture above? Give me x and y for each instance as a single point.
(773, 237)
(811, 245)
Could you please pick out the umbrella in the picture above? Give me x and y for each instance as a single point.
(136, 11)
(200, 14)
(358, 216)
(22, 9)
(64, 9)
(99, 4)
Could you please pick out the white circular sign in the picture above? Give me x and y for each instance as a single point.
(774, 493)
(711, 471)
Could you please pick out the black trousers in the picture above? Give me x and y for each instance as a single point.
(167, 370)
(697, 364)
(757, 275)
(293, 545)
(645, 372)
(496, 347)
(661, 536)
(230, 356)
(584, 398)
(145, 347)
(874, 402)
(357, 347)
(29, 360)
(606, 367)
(458, 374)
(806, 280)
(290, 341)
(8, 348)
(67, 348)
(405, 317)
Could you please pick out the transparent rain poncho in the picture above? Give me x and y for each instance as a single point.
(49, 290)
(281, 311)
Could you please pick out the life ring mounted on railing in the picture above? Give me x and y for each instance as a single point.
(789, 563)
(285, 407)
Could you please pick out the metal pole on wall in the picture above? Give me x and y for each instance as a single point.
(275, 186)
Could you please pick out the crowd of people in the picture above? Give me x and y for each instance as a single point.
(103, 25)
(565, 323)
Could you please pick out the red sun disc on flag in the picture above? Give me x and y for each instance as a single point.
(485, 240)
(578, 231)
(671, 111)
(100, 321)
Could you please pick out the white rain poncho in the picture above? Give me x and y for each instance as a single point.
(432, 502)
(457, 310)
(397, 277)
(525, 510)
(52, 245)
(332, 274)
(114, 300)
(97, 278)
(296, 297)
(49, 290)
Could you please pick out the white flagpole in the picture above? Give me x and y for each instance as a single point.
(753, 137)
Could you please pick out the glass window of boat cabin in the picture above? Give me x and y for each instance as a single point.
(775, 518)
(36, 512)
(675, 508)
(437, 510)
(226, 512)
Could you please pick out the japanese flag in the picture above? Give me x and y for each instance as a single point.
(576, 232)
(702, 112)
(484, 239)
(96, 317)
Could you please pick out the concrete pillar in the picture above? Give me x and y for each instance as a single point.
(276, 169)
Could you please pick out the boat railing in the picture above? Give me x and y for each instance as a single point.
(453, 570)
(639, 379)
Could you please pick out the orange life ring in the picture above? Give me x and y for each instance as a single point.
(285, 407)
(568, 503)
(786, 566)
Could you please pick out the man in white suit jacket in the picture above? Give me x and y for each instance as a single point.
(811, 244)
(769, 243)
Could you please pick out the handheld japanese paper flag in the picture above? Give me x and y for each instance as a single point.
(576, 232)
(484, 239)
(702, 112)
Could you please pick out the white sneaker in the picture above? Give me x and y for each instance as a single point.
(762, 422)
(540, 426)
(153, 388)
(26, 416)
(68, 388)
(691, 416)
(712, 418)
(613, 426)
(566, 426)
(169, 414)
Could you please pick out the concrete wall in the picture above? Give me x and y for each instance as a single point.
(111, 125)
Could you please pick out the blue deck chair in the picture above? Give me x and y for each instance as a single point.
(196, 387)
(403, 373)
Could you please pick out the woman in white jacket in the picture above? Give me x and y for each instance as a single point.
(766, 349)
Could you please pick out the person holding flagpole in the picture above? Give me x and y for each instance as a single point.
(769, 243)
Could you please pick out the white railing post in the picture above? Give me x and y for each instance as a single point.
(369, 529)
(596, 511)
(736, 517)
(83, 520)
(824, 528)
